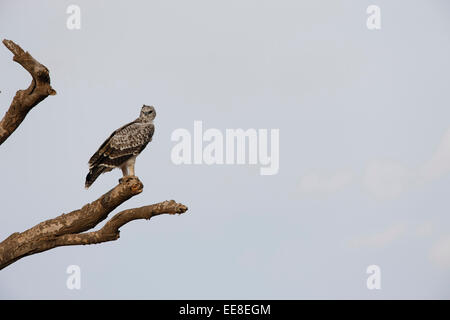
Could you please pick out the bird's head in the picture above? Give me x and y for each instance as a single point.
(148, 113)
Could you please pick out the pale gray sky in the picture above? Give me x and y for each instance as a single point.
(364, 123)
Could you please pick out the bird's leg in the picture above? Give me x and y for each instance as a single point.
(128, 169)
(131, 169)
(124, 173)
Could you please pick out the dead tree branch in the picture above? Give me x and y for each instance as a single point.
(25, 100)
(67, 229)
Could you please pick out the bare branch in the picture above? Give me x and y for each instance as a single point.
(111, 229)
(25, 100)
(66, 229)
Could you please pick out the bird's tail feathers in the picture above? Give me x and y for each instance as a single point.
(93, 175)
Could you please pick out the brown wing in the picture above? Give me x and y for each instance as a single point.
(105, 149)
(122, 144)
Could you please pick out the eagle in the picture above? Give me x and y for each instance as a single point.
(123, 146)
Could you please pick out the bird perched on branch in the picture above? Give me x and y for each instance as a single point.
(123, 146)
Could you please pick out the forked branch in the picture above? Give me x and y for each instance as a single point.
(25, 100)
(68, 229)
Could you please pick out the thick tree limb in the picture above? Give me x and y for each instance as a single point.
(25, 100)
(67, 229)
